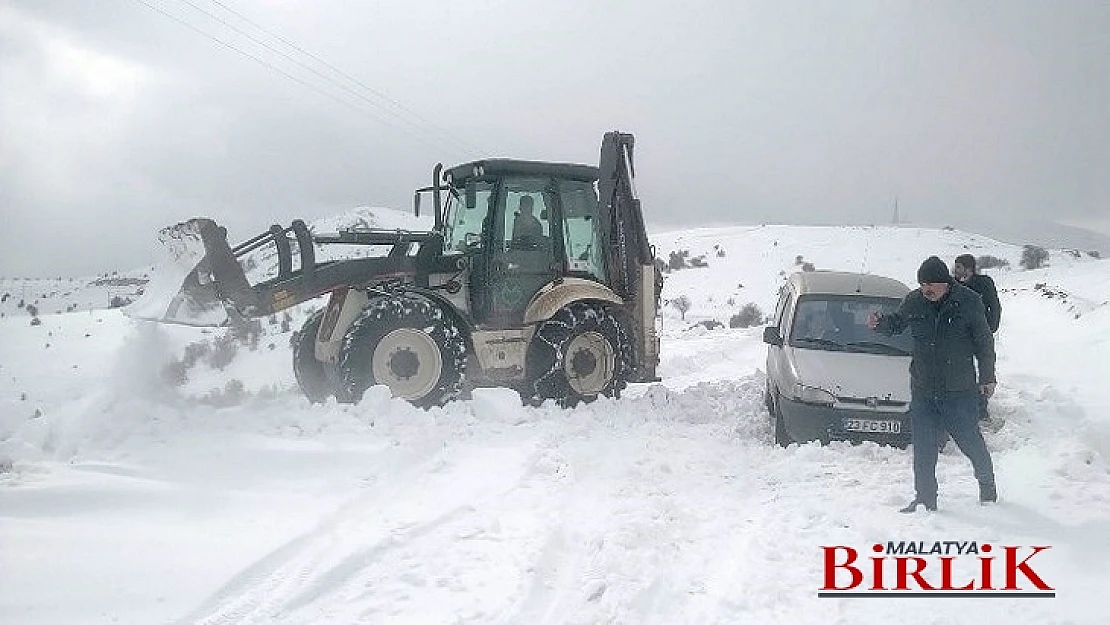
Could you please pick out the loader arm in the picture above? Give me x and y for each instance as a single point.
(219, 279)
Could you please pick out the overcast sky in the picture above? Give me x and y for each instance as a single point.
(116, 119)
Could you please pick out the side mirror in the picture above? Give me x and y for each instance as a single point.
(771, 335)
(471, 194)
(416, 204)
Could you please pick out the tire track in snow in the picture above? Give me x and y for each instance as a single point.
(318, 564)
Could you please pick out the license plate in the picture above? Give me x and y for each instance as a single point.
(873, 426)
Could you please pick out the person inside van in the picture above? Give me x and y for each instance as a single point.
(816, 324)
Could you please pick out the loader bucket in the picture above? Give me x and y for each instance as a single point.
(181, 290)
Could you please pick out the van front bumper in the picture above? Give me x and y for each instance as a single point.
(809, 422)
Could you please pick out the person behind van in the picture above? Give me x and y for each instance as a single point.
(816, 324)
(964, 270)
(950, 334)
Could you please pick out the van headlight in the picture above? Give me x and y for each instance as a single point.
(813, 395)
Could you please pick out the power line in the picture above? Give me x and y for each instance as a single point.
(283, 73)
(339, 72)
(325, 77)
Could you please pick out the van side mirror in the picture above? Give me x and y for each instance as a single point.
(771, 335)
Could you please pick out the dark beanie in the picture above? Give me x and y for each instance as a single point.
(933, 270)
(966, 260)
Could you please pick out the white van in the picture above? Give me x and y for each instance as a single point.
(830, 377)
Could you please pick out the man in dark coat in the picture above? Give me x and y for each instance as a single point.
(964, 270)
(950, 335)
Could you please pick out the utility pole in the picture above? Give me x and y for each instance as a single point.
(896, 210)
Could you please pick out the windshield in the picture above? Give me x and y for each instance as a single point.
(839, 323)
(461, 220)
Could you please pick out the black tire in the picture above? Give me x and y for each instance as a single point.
(782, 437)
(578, 354)
(312, 375)
(409, 344)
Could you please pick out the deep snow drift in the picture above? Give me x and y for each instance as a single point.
(153, 474)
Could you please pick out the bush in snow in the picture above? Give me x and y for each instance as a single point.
(246, 331)
(286, 322)
(119, 302)
(682, 305)
(175, 373)
(991, 262)
(698, 261)
(798, 259)
(1094, 254)
(749, 316)
(709, 324)
(678, 259)
(808, 267)
(232, 394)
(32, 310)
(1033, 257)
(223, 351)
(35, 321)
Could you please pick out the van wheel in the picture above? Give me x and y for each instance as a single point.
(782, 437)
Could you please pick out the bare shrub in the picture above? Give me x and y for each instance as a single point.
(224, 349)
(991, 262)
(682, 305)
(1033, 257)
(749, 316)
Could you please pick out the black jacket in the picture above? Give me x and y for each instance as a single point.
(984, 286)
(947, 339)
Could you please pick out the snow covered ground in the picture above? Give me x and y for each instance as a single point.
(218, 495)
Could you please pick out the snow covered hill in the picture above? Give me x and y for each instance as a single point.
(153, 474)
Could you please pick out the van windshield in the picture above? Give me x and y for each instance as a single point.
(839, 323)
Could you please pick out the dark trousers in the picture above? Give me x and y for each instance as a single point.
(958, 413)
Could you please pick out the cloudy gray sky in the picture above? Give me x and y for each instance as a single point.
(116, 119)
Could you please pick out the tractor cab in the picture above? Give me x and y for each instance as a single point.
(522, 225)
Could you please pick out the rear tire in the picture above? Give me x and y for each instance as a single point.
(578, 354)
(312, 375)
(409, 344)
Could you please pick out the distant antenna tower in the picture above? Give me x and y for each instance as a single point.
(896, 219)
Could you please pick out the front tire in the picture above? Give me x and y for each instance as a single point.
(580, 353)
(312, 375)
(410, 345)
(782, 437)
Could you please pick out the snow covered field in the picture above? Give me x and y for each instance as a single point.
(225, 497)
